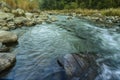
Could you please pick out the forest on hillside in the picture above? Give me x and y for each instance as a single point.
(63, 4)
(73, 4)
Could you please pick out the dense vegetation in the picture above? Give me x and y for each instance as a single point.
(73, 4)
(64, 4)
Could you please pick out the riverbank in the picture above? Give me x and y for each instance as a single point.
(15, 18)
(106, 18)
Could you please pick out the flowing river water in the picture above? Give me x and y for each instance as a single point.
(41, 45)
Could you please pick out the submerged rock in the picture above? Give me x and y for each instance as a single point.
(79, 67)
(6, 61)
(7, 37)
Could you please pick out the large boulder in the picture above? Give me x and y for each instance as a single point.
(7, 37)
(79, 67)
(6, 61)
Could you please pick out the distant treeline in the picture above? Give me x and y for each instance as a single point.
(73, 4)
(63, 4)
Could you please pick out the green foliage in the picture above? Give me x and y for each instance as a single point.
(73, 4)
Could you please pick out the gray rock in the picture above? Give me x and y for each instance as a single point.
(6, 61)
(79, 67)
(6, 37)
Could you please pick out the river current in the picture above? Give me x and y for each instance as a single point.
(41, 45)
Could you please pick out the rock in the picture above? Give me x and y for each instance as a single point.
(3, 23)
(4, 4)
(20, 21)
(39, 21)
(79, 67)
(3, 48)
(5, 9)
(49, 21)
(5, 28)
(5, 16)
(18, 12)
(69, 17)
(11, 25)
(6, 61)
(53, 19)
(43, 17)
(7, 37)
(29, 23)
(28, 15)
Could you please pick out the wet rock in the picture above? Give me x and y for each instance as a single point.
(49, 21)
(69, 17)
(3, 48)
(79, 67)
(43, 17)
(6, 61)
(53, 19)
(7, 37)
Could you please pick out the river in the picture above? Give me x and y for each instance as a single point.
(41, 45)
